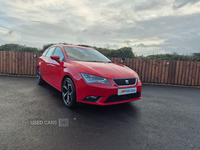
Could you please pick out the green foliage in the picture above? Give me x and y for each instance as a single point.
(174, 56)
(17, 47)
(124, 52)
(45, 46)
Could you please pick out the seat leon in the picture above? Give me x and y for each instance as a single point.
(85, 75)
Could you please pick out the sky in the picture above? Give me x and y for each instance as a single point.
(148, 26)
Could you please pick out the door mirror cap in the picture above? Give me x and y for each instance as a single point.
(56, 58)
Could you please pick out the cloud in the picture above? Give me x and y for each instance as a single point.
(10, 32)
(127, 42)
(111, 46)
(141, 45)
(181, 3)
(146, 25)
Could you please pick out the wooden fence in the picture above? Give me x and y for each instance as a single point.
(23, 63)
(149, 70)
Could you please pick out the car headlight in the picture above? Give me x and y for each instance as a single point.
(94, 79)
(138, 79)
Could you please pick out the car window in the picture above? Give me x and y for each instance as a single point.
(50, 51)
(58, 51)
(45, 52)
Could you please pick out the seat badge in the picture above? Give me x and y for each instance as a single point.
(127, 81)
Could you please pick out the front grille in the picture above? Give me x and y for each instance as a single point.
(124, 82)
(117, 98)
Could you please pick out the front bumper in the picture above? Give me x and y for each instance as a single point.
(106, 94)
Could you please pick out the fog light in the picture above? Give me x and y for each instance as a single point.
(92, 98)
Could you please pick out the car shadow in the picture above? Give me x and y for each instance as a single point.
(116, 111)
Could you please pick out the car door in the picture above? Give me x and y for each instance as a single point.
(56, 68)
(46, 62)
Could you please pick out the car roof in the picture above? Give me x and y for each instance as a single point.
(72, 46)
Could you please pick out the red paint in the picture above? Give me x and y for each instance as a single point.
(53, 72)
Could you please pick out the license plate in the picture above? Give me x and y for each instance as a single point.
(127, 91)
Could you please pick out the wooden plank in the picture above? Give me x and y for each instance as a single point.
(166, 72)
(143, 69)
(197, 82)
(150, 69)
(153, 70)
(180, 72)
(146, 70)
(17, 62)
(111, 58)
(190, 73)
(194, 73)
(140, 68)
(173, 71)
(176, 72)
(31, 56)
(38, 55)
(20, 62)
(163, 71)
(184, 72)
(29, 63)
(134, 64)
(169, 72)
(14, 63)
(23, 62)
(119, 60)
(125, 62)
(5, 62)
(131, 63)
(115, 59)
(128, 62)
(199, 74)
(156, 71)
(1, 62)
(137, 65)
(187, 73)
(9, 62)
(160, 71)
(35, 63)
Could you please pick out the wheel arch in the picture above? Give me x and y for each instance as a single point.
(64, 77)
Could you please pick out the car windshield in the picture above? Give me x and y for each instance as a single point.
(85, 54)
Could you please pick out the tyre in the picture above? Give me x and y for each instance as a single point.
(40, 81)
(69, 92)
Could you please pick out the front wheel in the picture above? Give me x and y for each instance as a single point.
(68, 92)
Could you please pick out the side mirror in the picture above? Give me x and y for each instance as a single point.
(56, 58)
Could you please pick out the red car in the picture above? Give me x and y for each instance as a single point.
(84, 75)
